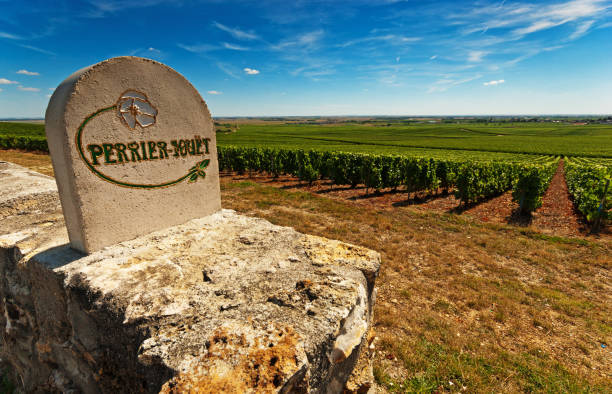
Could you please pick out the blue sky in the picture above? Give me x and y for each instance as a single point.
(325, 57)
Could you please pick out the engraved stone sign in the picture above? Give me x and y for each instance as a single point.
(133, 150)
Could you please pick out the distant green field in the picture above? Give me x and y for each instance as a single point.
(462, 140)
(22, 129)
(430, 139)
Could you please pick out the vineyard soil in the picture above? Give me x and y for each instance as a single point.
(557, 216)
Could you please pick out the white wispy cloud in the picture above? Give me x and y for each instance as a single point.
(234, 47)
(581, 30)
(314, 69)
(27, 89)
(433, 57)
(527, 18)
(315, 74)
(476, 56)
(26, 72)
(33, 48)
(444, 84)
(4, 81)
(511, 30)
(307, 40)
(251, 71)
(493, 83)
(236, 33)
(214, 92)
(390, 38)
(0, 90)
(198, 48)
(229, 70)
(10, 36)
(531, 53)
(99, 8)
(204, 48)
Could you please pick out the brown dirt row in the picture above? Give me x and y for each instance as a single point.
(556, 216)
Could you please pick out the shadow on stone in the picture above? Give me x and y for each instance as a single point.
(58, 256)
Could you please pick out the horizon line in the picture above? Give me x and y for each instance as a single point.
(373, 116)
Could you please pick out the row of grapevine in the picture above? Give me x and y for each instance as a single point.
(28, 142)
(589, 185)
(531, 184)
(472, 180)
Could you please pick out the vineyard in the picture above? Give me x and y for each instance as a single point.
(24, 136)
(588, 181)
(473, 161)
(471, 181)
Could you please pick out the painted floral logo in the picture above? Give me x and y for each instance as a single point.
(134, 109)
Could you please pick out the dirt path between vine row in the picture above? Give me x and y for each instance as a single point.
(557, 212)
(556, 216)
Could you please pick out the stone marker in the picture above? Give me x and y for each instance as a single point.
(133, 150)
(221, 304)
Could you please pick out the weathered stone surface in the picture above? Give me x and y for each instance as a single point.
(226, 303)
(133, 149)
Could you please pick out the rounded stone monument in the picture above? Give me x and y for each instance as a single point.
(133, 149)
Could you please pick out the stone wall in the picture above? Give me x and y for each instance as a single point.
(226, 303)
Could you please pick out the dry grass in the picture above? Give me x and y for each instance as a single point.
(40, 162)
(462, 305)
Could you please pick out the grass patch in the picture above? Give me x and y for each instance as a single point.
(485, 307)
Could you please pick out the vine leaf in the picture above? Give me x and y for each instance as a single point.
(198, 170)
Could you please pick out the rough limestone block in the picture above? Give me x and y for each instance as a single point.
(133, 149)
(225, 303)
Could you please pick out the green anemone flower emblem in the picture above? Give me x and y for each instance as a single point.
(134, 109)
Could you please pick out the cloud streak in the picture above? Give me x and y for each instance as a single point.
(198, 48)
(26, 72)
(234, 47)
(443, 85)
(494, 83)
(10, 36)
(581, 30)
(36, 49)
(308, 40)
(27, 89)
(236, 33)
(476, 56)
(250, 71)
(389, 38)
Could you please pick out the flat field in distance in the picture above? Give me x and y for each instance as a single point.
(463, 139)
(426, 139)
(24, 128)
